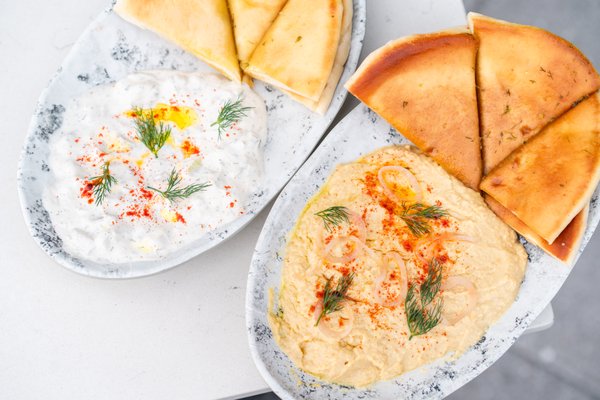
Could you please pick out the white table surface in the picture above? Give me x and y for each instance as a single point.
(176, 335)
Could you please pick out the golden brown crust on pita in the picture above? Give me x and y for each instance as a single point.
(549, 179)
(526, 77)
(424, 86)
(201, 27)
(298, 51)
(567, 244)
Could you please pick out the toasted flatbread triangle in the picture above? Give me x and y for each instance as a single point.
(298, 51)
(341, 56)
(567, 244)
(424, 85)
(526, 77)
(251, 19)
(201, 27)
(549, 179)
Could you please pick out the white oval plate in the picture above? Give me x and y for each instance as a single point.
(112, 48)
(359, 133)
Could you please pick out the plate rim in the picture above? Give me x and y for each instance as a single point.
(251, 310)
(69, 262)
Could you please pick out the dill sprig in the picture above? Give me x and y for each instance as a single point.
(173, 192)
(230, 113)
(333, 298)
(416, 217)
(333, 216)
(422, 312)
(102, 183)
(151, 134)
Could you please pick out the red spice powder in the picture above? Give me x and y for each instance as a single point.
(137, 211)
(188, 148)
(87, 190)
(344, 271)
(371, 189)
(140, 208)
(374, 313)
(83, 159)
(146, 194)
(180, 218)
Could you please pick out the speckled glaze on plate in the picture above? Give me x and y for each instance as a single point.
(112, 48)
(361, 132)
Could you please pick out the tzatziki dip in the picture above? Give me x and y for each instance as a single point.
(145, 166)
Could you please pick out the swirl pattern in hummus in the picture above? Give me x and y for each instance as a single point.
(368, 340)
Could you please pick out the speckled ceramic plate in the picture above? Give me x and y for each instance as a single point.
(361, 132)
(110, 49)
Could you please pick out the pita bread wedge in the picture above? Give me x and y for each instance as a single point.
(201, 27)
(341, 56)
(298, 51)
(567, 244)
(526, 77)
(251, 19)
(424, 86)
(549, 179)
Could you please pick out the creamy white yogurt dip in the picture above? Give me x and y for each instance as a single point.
(134, 222)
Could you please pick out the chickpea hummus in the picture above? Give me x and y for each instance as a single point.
(385, 246)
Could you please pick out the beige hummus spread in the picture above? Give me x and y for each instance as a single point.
(366, 338)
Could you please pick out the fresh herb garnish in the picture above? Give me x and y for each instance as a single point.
(333, 298)
(422, 312)
(151, 134)
(172, 192)
(230, 113)
(102, 183)
(416, 217)
(333, 216)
